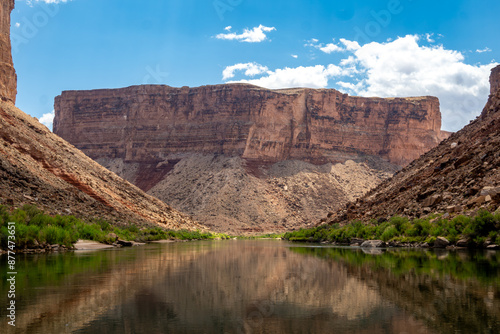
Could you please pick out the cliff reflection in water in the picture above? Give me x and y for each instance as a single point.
(261, 287)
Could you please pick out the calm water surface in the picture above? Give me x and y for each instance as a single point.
(260, 286)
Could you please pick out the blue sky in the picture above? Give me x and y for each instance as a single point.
(369, 48)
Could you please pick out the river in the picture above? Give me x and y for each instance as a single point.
(261, 286)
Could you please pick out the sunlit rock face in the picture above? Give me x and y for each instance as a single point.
(245, 159)
(144, 123)
(495, 80)
(8, 79)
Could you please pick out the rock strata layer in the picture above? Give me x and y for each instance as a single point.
(147, 123)
(495, 80)
(8, 79)
(245, 159)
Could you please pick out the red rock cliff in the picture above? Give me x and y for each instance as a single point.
(8, 79)
(495, 80)
(147, 123)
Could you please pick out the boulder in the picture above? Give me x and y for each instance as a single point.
(373, 243)
(356, 242)
(441, 242)
(432, 200)
(125, 243)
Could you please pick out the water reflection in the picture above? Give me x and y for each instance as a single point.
(257, 287)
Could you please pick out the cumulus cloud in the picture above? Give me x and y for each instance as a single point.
(401, 67)
(303, 76)
(326, 48)
(405, 68)
(47, 119)
(295, 56)
(251, 69)
(255, 35)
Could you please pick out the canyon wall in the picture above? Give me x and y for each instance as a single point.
(8, 79)
(151, 122)
(495, 80)
(244, 159)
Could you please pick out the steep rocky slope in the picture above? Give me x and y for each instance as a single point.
(246, 159)
(38, 167)
(227, 195)
(461, 174)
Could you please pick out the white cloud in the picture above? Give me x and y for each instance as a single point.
(255, 35)
(486, 49)
(404, 68)
(17, 25)
(295, 56)
(228, 28)
(30, 2)
(251, 69)
(310, 76)
(48, 119)
(345, 45)
(401, 67)
(329, 48)
(350, 45)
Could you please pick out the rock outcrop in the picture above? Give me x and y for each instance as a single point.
(245, 159)
(495, 80)
(146, 123)
(8, 79)
(460, 175)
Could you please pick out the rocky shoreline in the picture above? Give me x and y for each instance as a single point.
(79, 245)
(440, 243)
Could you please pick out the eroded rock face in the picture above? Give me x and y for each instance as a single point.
(8, 79)
(147, 123)
(495, 80)
(244, 159)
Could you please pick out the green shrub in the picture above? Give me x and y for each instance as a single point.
(480, 226)
(389, 233)
(31, 210)
(399, 223)
(105, 226)
(133, 228)
(42, 220)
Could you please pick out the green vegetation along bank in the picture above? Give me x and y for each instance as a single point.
(478, 231)
(36, 230)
